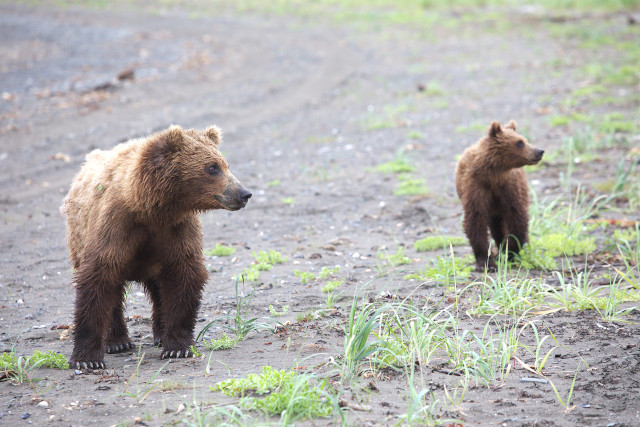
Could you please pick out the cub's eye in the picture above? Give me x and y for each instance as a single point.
(213, 169)
(520, 144)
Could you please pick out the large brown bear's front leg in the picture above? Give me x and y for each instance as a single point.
(181, 288)
(97, 295)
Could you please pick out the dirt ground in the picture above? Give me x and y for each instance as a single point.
(308, 109)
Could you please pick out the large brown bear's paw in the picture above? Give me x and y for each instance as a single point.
(118, 347)
(176, 353)
(86, 364)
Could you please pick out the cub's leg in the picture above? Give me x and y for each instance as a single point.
(118, 336)
(475, 227)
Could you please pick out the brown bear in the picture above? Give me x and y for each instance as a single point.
(133, 215)
(492, 185)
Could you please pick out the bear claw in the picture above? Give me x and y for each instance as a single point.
(174, 354)
(117, 348)
(89, 365)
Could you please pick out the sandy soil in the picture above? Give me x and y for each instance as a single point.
(315, 107)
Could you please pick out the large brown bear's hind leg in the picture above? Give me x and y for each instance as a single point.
(153, 289)
(118, 337)
(96, 297)
(181, 291)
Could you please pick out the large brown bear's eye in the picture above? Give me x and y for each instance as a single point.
(213, 169)
(520, 144)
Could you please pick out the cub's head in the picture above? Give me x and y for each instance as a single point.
(190, 169)
(510, 149)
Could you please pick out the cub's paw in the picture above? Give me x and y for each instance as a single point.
(78, 364)
(174, 354)
(118, 347)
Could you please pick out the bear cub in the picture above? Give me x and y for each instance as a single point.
(492, 185)
(132, 214)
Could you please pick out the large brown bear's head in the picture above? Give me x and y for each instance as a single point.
(190, 168)
(510, 149)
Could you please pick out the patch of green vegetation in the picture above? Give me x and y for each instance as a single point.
(540, 252)
(396, 258)
(220, 250)
(273, 183)
(265, 260)
(411, 186)
(331, 286)
(616, 122)
(276, 313)
(249, 274)
(288, 200)
(414, 134)
(305, 276)
(17, 369)
(398, 165)
(431, 243)
(328, 271)
(444, 269)
(288, 394)
(223, 343)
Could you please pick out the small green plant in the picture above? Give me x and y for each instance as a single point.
(398, 165)
(269, 257)
(431, 243)
(17, 369)
(444, 269)
(195, 351)
(288, 394)
(305, 276)
(288, 201)
(395, 259)
(273, 183)
(331, 286)
(276, 313)
(409, 186)
(242, 324)
(327, 271)
(220, 250)
(223, 343)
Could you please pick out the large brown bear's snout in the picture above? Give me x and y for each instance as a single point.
(234, 197)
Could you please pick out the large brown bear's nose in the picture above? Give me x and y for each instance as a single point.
(245, 195)
(539, 153)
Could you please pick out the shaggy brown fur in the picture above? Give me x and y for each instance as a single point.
(133, 215)
(492, 186)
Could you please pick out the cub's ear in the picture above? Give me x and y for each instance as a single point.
(494, 129)
(511, 125)
(214, 134)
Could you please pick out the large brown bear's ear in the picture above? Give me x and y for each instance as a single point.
(214, 134)
(173, 138)
(494, 129)
(511, 125)
(164, 143)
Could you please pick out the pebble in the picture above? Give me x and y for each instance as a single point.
(78, 372)
(43, 404)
